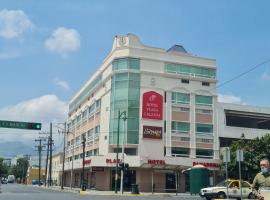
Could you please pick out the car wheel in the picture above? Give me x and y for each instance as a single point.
(222, 195)
(208, 198)
(251, 196)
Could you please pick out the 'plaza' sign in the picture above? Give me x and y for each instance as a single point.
(152, 107)
(152, 132)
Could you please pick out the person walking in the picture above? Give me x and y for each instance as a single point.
(262, 179)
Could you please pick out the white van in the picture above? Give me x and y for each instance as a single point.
(11, 179)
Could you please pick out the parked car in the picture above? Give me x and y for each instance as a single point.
(220, 191)
(4, 181)
(11, 179)
(36, 182)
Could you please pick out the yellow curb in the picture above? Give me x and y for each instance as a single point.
(83, 192)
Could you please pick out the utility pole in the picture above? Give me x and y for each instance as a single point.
(64, 154)
(39, 149)
(47, 159)
(83, 181)
(50, 166)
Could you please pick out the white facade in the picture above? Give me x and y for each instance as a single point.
(192, 121)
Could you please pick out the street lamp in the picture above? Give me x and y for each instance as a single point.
(124, 113)
(83, 162)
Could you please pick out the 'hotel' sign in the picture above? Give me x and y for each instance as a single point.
(152, 132)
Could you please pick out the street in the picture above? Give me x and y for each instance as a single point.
(24, 192)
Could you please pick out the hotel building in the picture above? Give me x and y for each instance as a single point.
(163, 106)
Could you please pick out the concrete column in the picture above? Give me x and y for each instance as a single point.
(215, 128)
(192, 126)
(168, 124)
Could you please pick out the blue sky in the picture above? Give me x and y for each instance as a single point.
(39, 70)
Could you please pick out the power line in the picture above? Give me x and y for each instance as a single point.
(243, 73)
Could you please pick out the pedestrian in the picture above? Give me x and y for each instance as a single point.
(262, 179)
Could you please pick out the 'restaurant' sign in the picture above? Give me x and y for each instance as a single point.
(152, 132)
(152, 107)
(206, 164)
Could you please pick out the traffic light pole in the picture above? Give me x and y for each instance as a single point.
(117, 149)
(123, 158)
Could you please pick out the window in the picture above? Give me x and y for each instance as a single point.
(98, 104)
(97, 131)
(180, 127)
(204, 153)
(186, 81)
(203, 100)
(77, 141)
(90, 134)
(91, 109)
(79, 118)
(83, 136)
(205, 84)
(190, 70)
(204, 128)
(180, 151)
(126, 63)
(178, 97)
(84, 114)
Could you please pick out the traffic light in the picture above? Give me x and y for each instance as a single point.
(34, 126)
(126, 166)
(122, 166)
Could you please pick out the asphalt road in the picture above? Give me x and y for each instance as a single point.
(24, 192)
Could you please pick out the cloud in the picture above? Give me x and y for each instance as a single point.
(230, 99)
(44, 109)
(63, 41)
(265, 77)
(62, 84)
(13, 23)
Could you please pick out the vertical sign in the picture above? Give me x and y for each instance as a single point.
(226, 155)
(239, 155)
(152, 107)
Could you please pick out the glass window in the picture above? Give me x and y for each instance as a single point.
(178, 97)
(98, 103)
(180, 127)
(204, 128)
(204, 153)
(190, 70)
(203, 100)
(84, 114)
(180, 151)
(91, 109)
(126, 63)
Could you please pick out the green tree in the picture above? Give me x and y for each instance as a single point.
(20, 170)
(254, 151)
(3, 168)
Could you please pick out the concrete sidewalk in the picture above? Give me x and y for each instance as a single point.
(111, 193)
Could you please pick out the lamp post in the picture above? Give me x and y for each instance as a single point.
(124, 113)
(83, 162)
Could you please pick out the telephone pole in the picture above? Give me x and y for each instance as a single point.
(50, 166)
(39, 149)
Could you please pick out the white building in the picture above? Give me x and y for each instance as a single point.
(173, 118)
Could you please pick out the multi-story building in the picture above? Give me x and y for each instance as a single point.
(161, 105)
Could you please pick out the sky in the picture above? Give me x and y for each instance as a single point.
(49, 49)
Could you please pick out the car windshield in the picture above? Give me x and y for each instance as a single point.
(222, 184)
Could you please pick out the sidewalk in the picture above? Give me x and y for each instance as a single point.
(111, 193)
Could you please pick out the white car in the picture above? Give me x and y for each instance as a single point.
(220, 191)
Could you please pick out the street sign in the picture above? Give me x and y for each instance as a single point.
(20, 125)
(226, 155)
(239, 155)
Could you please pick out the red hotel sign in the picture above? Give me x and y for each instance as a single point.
(86, 162)
(156, 162)
(152, 107)
(207, 164)
(152, 132)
